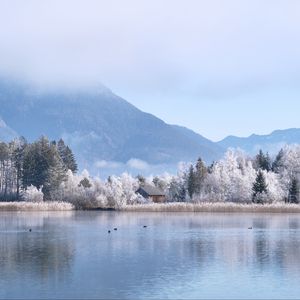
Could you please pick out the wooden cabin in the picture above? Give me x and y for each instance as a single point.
(152, 193)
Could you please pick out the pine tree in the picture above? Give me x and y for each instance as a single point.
(4, 157)
(43, 167)
(268, 163)
(56, 175)
(67, 156)
(200, 175)
(141, 179)
(191, 182)
(263, 161)
(18, 159)
(85, 183)
(277, 164)
(260, 188)
(294, 191)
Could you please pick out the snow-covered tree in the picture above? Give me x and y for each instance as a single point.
(230, 179)
(32, 194)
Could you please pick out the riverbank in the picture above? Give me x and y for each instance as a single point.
(214, 208)
(36, 206)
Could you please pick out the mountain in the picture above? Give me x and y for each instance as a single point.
(272, 142)
(98, 125)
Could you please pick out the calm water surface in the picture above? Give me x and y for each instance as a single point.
(184, 255)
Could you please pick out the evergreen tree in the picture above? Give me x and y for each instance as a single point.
(263, 161)
(260, 188)
(141, 179)
(277, 164)
(211, 167)
(85, 183)
(18, 159)
(191, 182)
(67, 156)
(294, 191)
(4, 157)
(56, 175)
(42, 166)
(199, 176)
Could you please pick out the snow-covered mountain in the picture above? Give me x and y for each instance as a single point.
(99, 126)
(272, 142)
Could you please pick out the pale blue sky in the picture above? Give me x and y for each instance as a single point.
(219, 67)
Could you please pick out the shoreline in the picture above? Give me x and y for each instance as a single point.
(210, 207)
(36, 206)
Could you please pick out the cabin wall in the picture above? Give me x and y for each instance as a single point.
(158, 199)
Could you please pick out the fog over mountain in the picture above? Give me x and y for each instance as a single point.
(104, 130)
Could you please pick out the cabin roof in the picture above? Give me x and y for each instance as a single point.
(151, 190)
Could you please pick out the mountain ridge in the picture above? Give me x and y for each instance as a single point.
(99, 125)
(272, 142)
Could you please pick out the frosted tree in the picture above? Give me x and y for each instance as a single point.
(230, 179)
(32, 194)
(177, 189)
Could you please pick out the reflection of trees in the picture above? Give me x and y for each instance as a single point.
(38, 253)
(174, 247)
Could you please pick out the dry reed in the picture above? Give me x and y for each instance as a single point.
(36, 206)
(215, 207)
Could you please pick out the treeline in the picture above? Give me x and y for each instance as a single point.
(42, 164)
(46, 170)
(240, 178)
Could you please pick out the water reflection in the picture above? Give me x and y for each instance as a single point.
(177, 256)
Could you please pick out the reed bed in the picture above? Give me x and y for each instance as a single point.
(214, 207)
(36, 206)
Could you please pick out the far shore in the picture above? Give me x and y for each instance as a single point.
(217, 207)
(205, 207)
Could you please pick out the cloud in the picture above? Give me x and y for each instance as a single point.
(172, 58)
(213, 48)
(137, 164)
(108, 164)
(132, 164)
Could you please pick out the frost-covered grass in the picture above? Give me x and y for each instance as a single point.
(214, 207)
(36, 206)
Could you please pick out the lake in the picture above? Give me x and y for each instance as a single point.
(178, 255)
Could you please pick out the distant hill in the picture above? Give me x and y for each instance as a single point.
(271, 142)
(98, 125)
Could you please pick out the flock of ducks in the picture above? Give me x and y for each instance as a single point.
(145, 226)
(109, 231)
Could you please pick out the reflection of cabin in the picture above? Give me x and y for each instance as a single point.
(152, 193)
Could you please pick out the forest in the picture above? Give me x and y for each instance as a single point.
(47, 171)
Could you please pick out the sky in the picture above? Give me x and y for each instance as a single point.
(219, 67)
